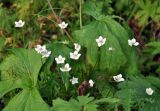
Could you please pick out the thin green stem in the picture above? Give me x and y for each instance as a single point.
(80, 14)
(109, 63)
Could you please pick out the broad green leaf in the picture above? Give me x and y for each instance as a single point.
(8, 85)
(21, 65)
(116, 37)
(20, 70)
(27, 100)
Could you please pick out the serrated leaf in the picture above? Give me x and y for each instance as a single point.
(85, 103)
(137, 87)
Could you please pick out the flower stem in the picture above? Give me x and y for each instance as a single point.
(80, 13)
(109, 63)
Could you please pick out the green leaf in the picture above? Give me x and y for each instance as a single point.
(116, 37)
(136, 88)
(85, 103)
(90, 8)
(8, 85)
(61, 105)
(20, 70)
(27, 100)
(21, 65)
(125, 96)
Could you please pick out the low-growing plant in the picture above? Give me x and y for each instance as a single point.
(91, 68)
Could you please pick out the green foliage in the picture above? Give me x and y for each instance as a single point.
(153, 48)
(151, 53)
(148, 9)
(1, 43)
(6, 24)
(116, 37)
(136, 88)
(20, 70)
(83, 103)
(26, 77)
(27, 100)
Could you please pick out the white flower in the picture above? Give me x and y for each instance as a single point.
(77, 47)
(63, 25)
(133, 42)
(66, 68)
(19, 23)
(74, 80)
(40, 48)
(110, 48)
(46, 53)
(100, 41)
(60, 59)
(91, 83)
(149, 91)
(75, 55)
(118, 78)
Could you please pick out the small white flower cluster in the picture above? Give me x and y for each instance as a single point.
(133, 42)
(75, 81)
(61, 60)
(19, 23)
(66, 68)
(75, 55)
(43, 51)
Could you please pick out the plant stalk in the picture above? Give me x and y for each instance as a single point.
(80, 14)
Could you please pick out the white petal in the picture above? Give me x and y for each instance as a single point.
(100, 38)
(77, 47)
(136, 44)
(91, 83)
(133, 40)
(149, 91)
(130, 42)
(119, 75)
